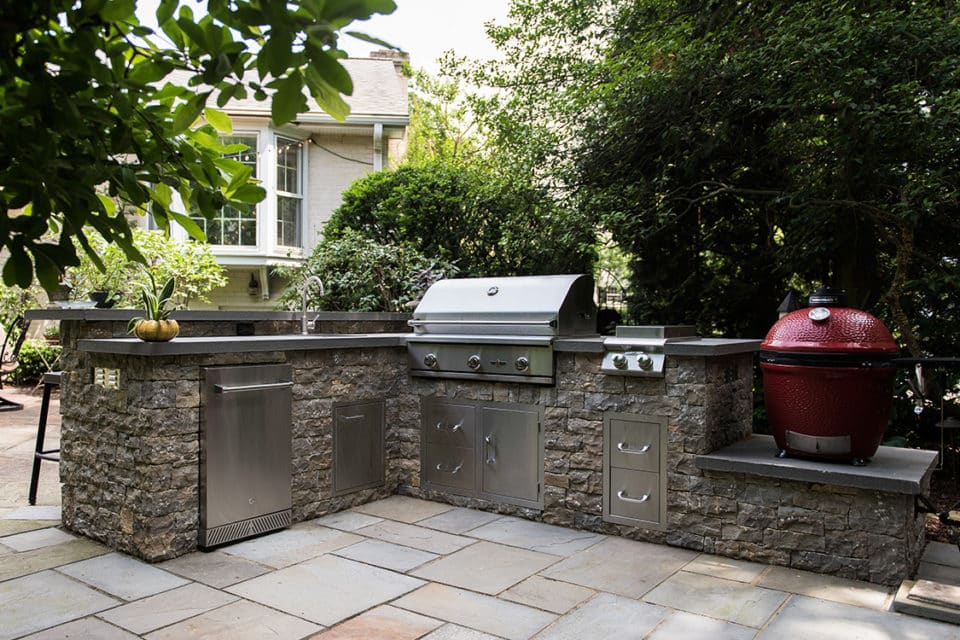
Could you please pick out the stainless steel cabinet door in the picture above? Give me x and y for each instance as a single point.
(510, 453)
(357, 445)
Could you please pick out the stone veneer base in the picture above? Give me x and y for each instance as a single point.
(130, 455)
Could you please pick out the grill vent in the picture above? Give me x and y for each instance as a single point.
(244, 528)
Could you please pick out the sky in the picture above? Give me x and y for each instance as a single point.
(423, 28)
(427, 28)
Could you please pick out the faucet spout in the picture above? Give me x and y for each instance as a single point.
(306, 289)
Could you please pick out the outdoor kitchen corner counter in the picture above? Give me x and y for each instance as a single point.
(131, 451)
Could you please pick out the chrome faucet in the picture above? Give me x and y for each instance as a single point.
(306, 288)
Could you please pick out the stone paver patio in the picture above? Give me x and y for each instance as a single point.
(403, 569)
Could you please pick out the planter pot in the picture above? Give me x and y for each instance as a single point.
(104, 299)
(156, 330)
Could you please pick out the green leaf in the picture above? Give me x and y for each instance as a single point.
(148, 72)
(277, 53)
(190, 226)
(289, 100)
(165, 10)
(219, 120)
(371, 39)
(192, 31)
(328, 68)
(249, 193)
(118, 10)
(188, 112)
(19, 269)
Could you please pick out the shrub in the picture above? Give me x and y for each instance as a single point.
(34, 360)
(360, 274)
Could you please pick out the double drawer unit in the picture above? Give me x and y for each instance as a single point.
(634, 470)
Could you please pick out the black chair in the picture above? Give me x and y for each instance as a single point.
(50, 380)
(8, 360)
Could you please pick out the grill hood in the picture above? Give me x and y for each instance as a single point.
(559, 305)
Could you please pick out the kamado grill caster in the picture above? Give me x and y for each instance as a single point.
(828, 376)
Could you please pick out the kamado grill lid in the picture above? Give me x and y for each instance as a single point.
(836, 330)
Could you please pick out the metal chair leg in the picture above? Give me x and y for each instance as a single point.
(49, 382)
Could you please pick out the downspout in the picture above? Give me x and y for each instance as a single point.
(378, 146)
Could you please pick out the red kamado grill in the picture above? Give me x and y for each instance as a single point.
(828, 381)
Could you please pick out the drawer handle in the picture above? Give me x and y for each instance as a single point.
(623, 447)
(623, 496)
(453, 429)
(265, 386)
(446, 468)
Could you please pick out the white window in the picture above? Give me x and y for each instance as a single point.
(235, 226)
(289, 192)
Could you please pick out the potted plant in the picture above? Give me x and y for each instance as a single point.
(154, 325)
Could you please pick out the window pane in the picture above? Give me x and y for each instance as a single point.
(248, 156)
(288, 165)
(234, 226)
(288, 221)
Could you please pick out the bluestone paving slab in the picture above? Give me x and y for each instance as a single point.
(550, 595)
(240, 620)
(34, 512)
(718, 598)
(815, 585)
(939, 573)
(123, 576)
(84, 629)
(942, 553)
(45, 599)
(476, 611)
(688, 625)
(609, 617)
(36, 539)
(10, 527)
(417, 537)
(287, 547)
(347, 520)
(625, 567)
(386, 555)
(486, 567)
(214, 568)
(382, 623)
(729, 568)
(327, 589)
(806, 618)
(537, 536)
(167, 608)
(403, 509)
(904, 603)
(459, 520)
(21, 564)
(456, 632)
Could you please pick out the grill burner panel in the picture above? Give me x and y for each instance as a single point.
(492, 357)
(638, 351)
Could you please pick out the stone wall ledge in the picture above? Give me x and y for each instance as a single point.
(699, 347)
(241, 344)
(891, 470)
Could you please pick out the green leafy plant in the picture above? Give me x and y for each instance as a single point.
(34, 360)
(155, 302)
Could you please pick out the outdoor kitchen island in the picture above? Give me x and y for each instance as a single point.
(131, 453)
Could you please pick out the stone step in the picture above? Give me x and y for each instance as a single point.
(928, 607)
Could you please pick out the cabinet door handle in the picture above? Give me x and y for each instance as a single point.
(623, 496)
(488, 440)
(453, 428)
(623, 447)
(446, 468)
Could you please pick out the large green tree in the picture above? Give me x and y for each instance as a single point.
(735, 149)
(97, 108)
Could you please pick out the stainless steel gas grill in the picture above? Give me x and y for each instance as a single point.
(638, 351)
(498, 328)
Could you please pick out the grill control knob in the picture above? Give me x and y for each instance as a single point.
(522, 363)
(619, 361)
(473, 362)
(430, 360)
(645, 362)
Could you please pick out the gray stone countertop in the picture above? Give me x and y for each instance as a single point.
(109, 315)
(892, 469)
(692, 348)
(296, 342)
(241, 344)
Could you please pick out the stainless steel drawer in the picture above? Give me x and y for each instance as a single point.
(634, 444)
(451, 467)
(634, 494)
(449, 424)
